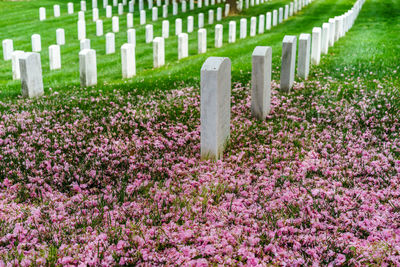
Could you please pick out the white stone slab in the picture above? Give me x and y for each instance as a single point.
(54, 57)
(243, 28)
(81, 29)
(158, 52)
(115, 24)
(15, 56)
(142, 17)
(110, 43)
(232, 32)
(183, 6)
(178, 26)
(149, 33)
(215, 107)
(202, 41)
(88, 67)
(95, 14)
(42, 13)
(94, 4)
(105, 3)
(131, 7)
(219, 14)
(165, 11)
(165, 29)
(274, 18)
(218, 35)
(70, 7)
(325, 38)
(36, 43)
(303, 67)
(84, 44)
(56, 9)
(108, 11)
(332, 32)
(8, 48)
(131, 34)
(201, 20)
(154, 14)
(261, 25)
(99, 28)
(288, 62)
(210, 16)
(31, 75)
(60, 36)
(174, 9)
(83, 5)
(128, 62)
(129, 20)
(268, 21)
(190, 22)
(227, 9)
(280, 18)
(316, 46)
(183, 46)
(253, 26)
(120, 9)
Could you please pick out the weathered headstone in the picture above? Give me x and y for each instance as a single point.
(183, 50)
(261, 81)
(54, 57)
(232, 32)
(215, 107)
(218, 35)
(288, 62)
(99, 28)
(8, 48)
(316, 46)
(165, 29)
(219, 14)
(110, 43)
(15, 56)
(128, 62)
(304, 55)
(60, 36)
(36, 43)
(31, 75)
(202, 41)
(158, 52)
(88, 67)
(243, 28)
(131, 34)
(227, 8)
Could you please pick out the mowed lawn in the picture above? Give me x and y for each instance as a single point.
(111, 175)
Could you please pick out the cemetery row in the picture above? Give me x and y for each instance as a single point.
(128, 50)
(215, 106)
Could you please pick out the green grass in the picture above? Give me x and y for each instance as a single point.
(371, 46)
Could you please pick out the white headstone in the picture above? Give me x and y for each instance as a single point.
(232, 32)
(155, 14)
(128, 62)
(215, 107)
(120, 9)
(36, 43)
(56, 9)
(183, 50)
(280, 15)
(131, 33)
(316, 46)
(191, 4)
(274, 18)
(131, 7)
(95, 14)
(331, 32)
(325, 38)
(165, 11)
(81, 15)
(70, 8)
(190, 22)
(243, 28)
(110, 43)
(108, 11)
(94, 4)
(15, 56)
(60, 36)
(337, 28)
(227, 8)
(288, 62)
(141, 5)
(99, 28)
(183, 6)
(83, 5)
(54, 57)
(210, 16)
(150, 2)
(81, 29)
(115, 2)
(304, 55)
(165, 29)
(42, 14)
(88, 67)
(268, 21)
(8, 48)
(142, 17)
(115, 24)
(31, 75)
(199, 4)
(149, 33)
(158, 52)
(261, 82)
(218, 35)
(201, 20)
(286, 14)
(174, 8)
(85, 44)
(253, 25)
(202, 41)
(219, 14)
(105, 3)
(261, 25)
(129, 20)
(178, 26)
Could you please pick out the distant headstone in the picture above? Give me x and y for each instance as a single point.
(219, 14)
(268, 21)
(325, 38)
(210, 16)
(165, 11)
(81, 29)
(158, 52)
(95, 14)
(8, 48)
(199, 3)
(36, 43)
(243, 28)
(218, 35)
(232, 32)
(15, 56)
(88, 67)
(190, 22)
(183, 49)
(31, 75)
(83, 5)
(99, 28)
(142, 17)
(202, 41)
(128, 62)
(54, 57)
(129, 20)
(286, 14)
(280, 15)
(85, 44)
(131, 7)
(291, 9)
(274, 18)
(253, 25)
(149, 33)
(201, 20)
(94, 4)
(105, 3)
(337, 28)
(110, 43)
(115, 24)
(331, 32)
(183, 6)
(316, 46)
(261, 25)
(288, 62)
(42, 13)
(165, 29)
(304, 55)
(178, 26)
(174, 9)
(131, 34)
(191, 4)
(227, 8)
(81, 15)
(215, 107)
(108, 11)
(70, 8)
(56, 9)
(60, 36)
(120, 9)
(261, 82)
(154, 14)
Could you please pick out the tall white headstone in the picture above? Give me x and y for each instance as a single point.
(36, 43)
(261, 25)
(201, 20)
(95, 14)
(129, 20)
(120, 9)
(142, 17)
(83, 5)
(253, 25)
(42, 13)
(31, 75)
(108, 11)
(131, 34)
(325, 38)
(304, 55)
(158, 52)
(190, 22)
(178, 26)
(154, 14)
(202, 41)
(115, 24)
(8, 48)
(110, 43)
(219, 14)
(54, 57)
(316, 46)
(331, 32)
(81, 29)
(56, 9)
(60, 36)
(165, 29)
(183, 46)
(15, 56)
(210, 16)
(85, 44)
(268, 21)
(128, 61)
(88, 67)
(99, 28)
(243, 28)
(232, 32)
(70, 8)
(218, 35)
(280, 20)
(274, 18)
(288, 62)
(149, 33)
(215, 107)
(165, 11)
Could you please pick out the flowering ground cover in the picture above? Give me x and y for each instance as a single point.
(108, 180)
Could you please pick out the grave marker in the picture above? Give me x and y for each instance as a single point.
(54, 57)
(183, 50)
(15, 56)
(128, 62)
(149, 33)
(304, 55)
(158, 52)
(288, 62)
(8, 48)
(31, 75)
(218, 35)
(99, 28)
(110, 43)
(81, 29)
(36, 43)
(165, 29)
(232, 32)
(202, 41)
(88, 67)
(42, 13)
(85, 44)
(316, 46)
(243, 28)
(325, 38)
(131, 34)
(60, 36)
